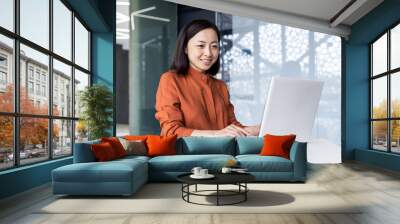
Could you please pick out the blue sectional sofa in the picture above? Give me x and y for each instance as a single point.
(125, 176)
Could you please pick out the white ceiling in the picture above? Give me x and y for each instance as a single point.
(318, 9)
(315, 15)
(321, 9)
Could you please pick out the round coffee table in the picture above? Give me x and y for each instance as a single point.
(238, 179)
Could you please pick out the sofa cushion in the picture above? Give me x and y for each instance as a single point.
(257, 163)
(116, 145)
(134, 147)
(277, 145)
(111, 171)
(83, 152)
(161, 145)
(185, 163)
(136, 137)
(103, 152)
(131, 158)
(249, 145)
(206, 145)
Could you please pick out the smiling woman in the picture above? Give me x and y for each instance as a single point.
(190, 101)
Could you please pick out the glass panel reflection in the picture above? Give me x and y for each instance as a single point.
(81, 45)
(6, 142)
(81, 131)
(62, 89)
(7, 14)
(379, 98)
(395, 47)
(379, 135)
(81, 81)
(379, 55)
(395, 136)
(34, 78)
(33, 139)
(395, 95)
(62, 29)
(6, 74)
(34, 21)
(62, 138)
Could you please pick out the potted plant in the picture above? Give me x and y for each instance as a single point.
(96, 102)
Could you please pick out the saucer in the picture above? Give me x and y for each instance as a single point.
(208, 176)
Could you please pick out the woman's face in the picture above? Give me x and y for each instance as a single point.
(203, 49)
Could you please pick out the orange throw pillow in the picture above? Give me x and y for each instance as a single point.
(136, 137)
(277, 145)
(116, 145)
(103, 152)
(161, 145)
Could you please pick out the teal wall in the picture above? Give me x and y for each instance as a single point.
(102, 63)
(356, 89)
(99, 15)
(24, 178)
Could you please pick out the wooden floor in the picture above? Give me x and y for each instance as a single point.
(378, 188)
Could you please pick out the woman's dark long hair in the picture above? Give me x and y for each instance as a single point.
(180, 63)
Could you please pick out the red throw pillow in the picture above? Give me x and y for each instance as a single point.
(161, 145)
(103, 152)
(277, 145)
(116, 145)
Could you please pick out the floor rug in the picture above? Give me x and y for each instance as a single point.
(167, 198)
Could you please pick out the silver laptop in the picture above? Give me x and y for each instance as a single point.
(291, 107)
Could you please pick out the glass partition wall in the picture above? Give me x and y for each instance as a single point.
(40, 55)
(152, 43)
(253, 51)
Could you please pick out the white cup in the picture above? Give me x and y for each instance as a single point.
(196, 170)
(203, 172)
(226, 170)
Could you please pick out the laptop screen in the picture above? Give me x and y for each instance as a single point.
(291, 107)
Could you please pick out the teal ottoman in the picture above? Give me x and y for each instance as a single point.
(118, 177)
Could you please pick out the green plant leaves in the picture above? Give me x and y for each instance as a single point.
(97, 104)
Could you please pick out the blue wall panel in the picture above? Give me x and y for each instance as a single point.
(357, 99)
(103, 64)
(102, 59)
(377, 158)
(24, 178)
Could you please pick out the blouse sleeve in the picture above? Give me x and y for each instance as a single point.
(231, 108)
(168, 111)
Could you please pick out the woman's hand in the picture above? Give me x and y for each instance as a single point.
(252, 130)
(232, 130)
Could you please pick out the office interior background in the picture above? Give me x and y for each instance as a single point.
(46, 59)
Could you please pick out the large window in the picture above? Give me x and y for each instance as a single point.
(385, 91)
(40, 80)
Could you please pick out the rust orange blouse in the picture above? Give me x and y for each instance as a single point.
(195, 101)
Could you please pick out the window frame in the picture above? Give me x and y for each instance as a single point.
(16, 114)
(388, 74)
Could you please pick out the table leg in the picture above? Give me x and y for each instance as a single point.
(245, 193)
(217, 194)
(188, 190)
(182, 189)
